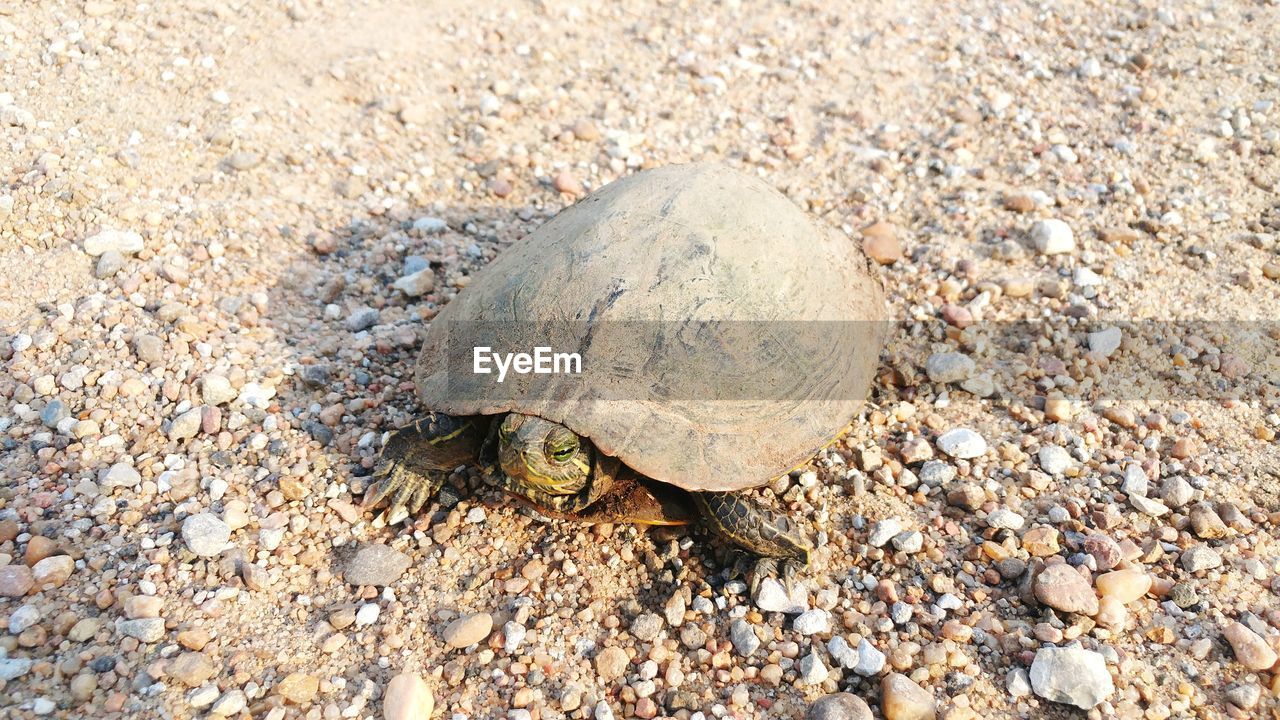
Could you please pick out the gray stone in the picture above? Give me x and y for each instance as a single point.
(1244, 695)
(416, 284)
(1105, 342)
(743, 637)
(839, 706)
(216, 389)
(22, 618)
(230, 704)
(109, 263)
(149, 349)
(243, 160)
(1200, 557)
(1146, 506)
(900, 613)
(949, 367)
(1054, 459)
(840, 651)
(14, 668)
(1018, 683)
(147, 630)
(203, 696)
(513, 635)
(812, 671)
(376, 565)
(1005, 519)
(186, 425)
(909, 542)
(362, 318)
(430, 225)
(1177, 492)
(982, 385)
(1135, 480)
(646, 627)
(884, 531)
(55, 411)
(935, 473)
(870, 659)
(205, 534)
(415, 263)
(1184, 595)
(1071, 675)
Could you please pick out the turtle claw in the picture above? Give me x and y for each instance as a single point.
(404, 491)
(756, 569)
(790, 576)
(377, 492)
(740, 564)
(765, 567)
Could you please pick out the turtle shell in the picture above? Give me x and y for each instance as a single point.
(724, 336)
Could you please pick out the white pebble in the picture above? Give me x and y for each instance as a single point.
(962, 443)
(367, 614)
(1053, 237)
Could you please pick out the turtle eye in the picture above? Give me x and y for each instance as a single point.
(563, 449)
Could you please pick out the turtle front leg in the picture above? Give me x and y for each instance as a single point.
(417, 459)
(750, 526)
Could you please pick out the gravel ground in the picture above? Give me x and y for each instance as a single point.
(1064, 492)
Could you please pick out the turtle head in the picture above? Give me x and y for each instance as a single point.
(543, 455)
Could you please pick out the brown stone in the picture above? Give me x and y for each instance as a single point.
(967, 496)
(1122, 416)
(194, 639)
(1106, 553)
(54, 570)
(880, 243)
(1123, 585)
(1124, 235)
(1062, 587)
(407, 697)
(39, 547)
(191, 669)
(298, 688)
(1041, 541)
(1205, 522)
(1019, 202)
(611, 663)
(566, 183)
(468, 630)
(902, 699)
(1251, 650)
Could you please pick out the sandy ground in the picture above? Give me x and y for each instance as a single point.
(281, 164)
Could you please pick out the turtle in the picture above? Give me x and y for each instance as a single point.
(700, 276)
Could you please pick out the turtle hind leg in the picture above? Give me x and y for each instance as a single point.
(418, 458)
(775, 547)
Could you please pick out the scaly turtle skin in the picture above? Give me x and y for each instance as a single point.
(562, 474)
(683, 282)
